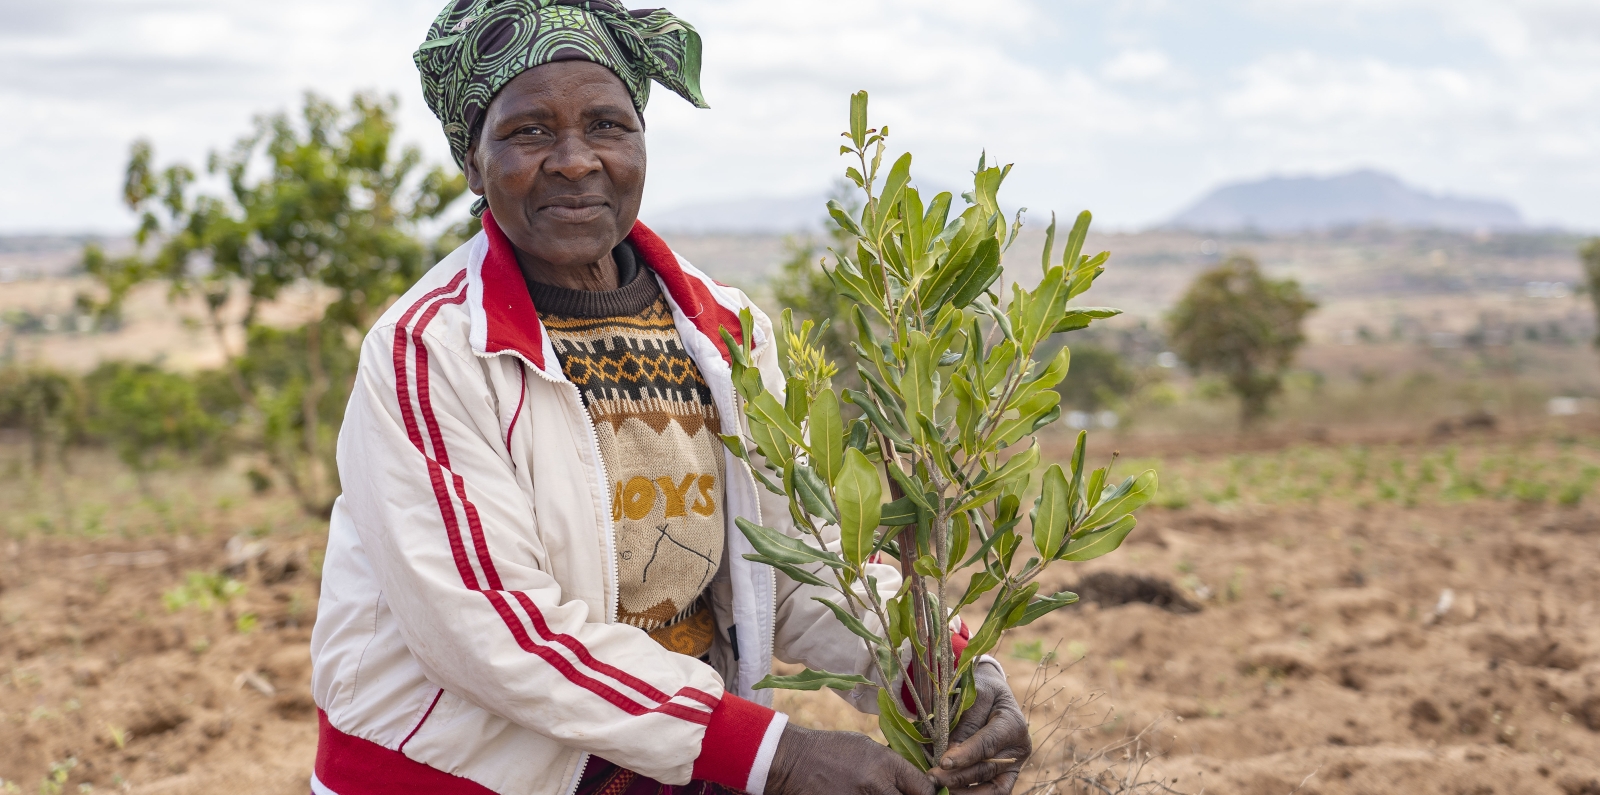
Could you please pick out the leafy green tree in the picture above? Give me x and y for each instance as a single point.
(142, 410)
(1237, 323)
(953, 390)
(1590, 255)
(45, 404)
(336, 209)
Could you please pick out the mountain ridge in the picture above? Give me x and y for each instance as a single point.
(1356, 198)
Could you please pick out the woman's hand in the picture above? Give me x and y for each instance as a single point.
(811, 762)
(990, 743)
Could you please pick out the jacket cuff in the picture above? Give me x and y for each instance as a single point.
(740, 742)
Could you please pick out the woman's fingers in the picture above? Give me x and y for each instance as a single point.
(979, 773)
(1000, 786)
(975, 717)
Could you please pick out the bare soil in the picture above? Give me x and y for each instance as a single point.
(1275, 647)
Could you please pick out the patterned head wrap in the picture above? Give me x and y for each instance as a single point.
(475, 47)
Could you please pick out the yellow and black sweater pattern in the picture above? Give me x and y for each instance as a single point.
(657, 429)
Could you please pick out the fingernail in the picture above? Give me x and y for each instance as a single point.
(947, 763)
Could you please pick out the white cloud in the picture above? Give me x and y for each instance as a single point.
(1137, 66)
(1504, 99)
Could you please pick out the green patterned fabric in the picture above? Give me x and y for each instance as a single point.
(475, 47)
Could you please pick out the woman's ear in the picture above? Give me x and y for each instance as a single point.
(469, 166)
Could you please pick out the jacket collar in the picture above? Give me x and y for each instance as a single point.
(504, 320)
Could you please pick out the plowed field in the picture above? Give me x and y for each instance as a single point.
(1341, 643)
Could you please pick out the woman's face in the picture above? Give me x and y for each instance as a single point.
(561, 160)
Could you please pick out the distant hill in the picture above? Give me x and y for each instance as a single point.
(1291, 204)
(748, 216)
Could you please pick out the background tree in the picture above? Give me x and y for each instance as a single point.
(1590, 255)
(46, 405)
(803, 286)
(1100, 379)
(1237, 323)
(324, 202)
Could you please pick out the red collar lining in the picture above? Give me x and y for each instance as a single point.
(513, 325)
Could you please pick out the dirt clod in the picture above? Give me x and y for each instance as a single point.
(1111, 589)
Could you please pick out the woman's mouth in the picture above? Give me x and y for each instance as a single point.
(575, 209)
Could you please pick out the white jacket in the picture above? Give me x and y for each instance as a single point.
(466, 637)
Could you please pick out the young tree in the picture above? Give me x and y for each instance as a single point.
(952, 392)
(1590, 255)
(325, 203)
(1238, 323)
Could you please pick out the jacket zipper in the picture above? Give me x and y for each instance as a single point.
(743, 424)
(611, 534)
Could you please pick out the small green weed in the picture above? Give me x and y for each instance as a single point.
(202, 590)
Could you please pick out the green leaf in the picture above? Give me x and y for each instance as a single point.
(980, 584)
(771, 444)
(969, 696)
(1044, 605)
(899, 175)
(902, 736)
(1075, 482)
(960, 538)
(1092, 490)
(765, 408)
(1017, 466)
(887, 398)
(917, 383)
(909, 485)
(858, 118)
(852, 623)
(1080, 231)
(735, 445)
(841, 216)
(795, 402)
(813, 493)
(861, 401)
(1078, 317)
(977, 277)
(859, 495)
(1002, 615)
(826, 432)
(927, 566)
(767, 481)
(859, 437)
(772, 544)
(1049, 242)
(813, 680)
(795, 572)
(735, 351)
(1028, 416)
(1051, 516)
(988, 543)
(898, 513)
(1099, 542)
(1125, 499)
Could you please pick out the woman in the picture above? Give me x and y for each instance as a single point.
(533, 581)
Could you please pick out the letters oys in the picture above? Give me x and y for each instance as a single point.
(637, 498)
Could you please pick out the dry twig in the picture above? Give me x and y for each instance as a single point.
(1063, 763)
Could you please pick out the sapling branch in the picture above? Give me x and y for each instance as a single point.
(945, 406)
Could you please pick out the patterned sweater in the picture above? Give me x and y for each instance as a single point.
(657, 427)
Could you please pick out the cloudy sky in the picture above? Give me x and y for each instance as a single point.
(1132, 108)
